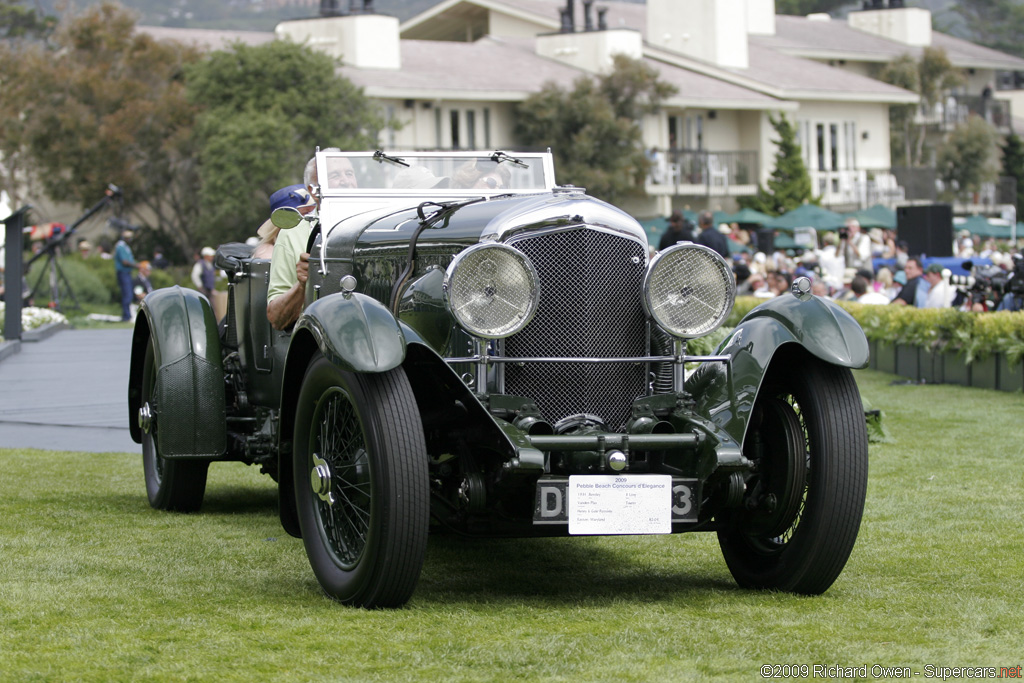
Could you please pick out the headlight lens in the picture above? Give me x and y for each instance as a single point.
(689, 290)
(492, 290)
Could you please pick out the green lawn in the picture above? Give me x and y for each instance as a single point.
(96, 586)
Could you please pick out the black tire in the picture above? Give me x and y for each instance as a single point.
(801, 540)
(359, 439)
(171, 484)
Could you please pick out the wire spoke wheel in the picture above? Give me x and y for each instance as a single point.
(344, 514)
(361, 485)
(804, 501)
(171, 484)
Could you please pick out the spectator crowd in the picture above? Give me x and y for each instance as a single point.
(851, 264)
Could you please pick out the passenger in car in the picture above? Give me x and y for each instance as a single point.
(295, 196)
(481, 174)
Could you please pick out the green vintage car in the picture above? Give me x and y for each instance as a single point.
(483, 352)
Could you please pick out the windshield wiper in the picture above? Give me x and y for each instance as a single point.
(499, 157)
(380, 156)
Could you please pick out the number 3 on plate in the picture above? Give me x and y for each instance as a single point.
(682, 499)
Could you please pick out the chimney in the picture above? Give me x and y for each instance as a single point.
(361, 39)
(761, 17)
(566, 21)
(714, 31)
(906, 25)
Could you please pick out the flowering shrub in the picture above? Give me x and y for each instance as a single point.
(31, 318)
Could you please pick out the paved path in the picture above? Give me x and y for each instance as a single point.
(68, 392)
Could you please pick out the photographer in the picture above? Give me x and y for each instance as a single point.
(1014, 297)
(854, 245)
(940, 294)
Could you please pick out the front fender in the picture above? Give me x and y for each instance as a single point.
(189, 388)
(820, 327)
(355, 332)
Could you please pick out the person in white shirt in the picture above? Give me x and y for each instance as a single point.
(864, 294)
(940, 293)
(855, 246)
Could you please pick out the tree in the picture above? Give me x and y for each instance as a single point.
(903, 72)
(967, 157)
(265, 110)
(1013, 164)
(104, 105)
(198, 144)
(997, 24)
(19, 26)
(789, 185)
(805, 7)
(931, 78)
(22, 22)
(594, 129)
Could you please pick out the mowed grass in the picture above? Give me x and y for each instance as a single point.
(96, 586)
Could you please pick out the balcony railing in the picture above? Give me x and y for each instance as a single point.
(685, 171)
(847, 190)
(956, 109)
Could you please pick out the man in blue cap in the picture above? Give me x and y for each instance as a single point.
(289, 267)
(293, 196)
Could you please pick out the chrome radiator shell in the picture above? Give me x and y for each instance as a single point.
(590, 307)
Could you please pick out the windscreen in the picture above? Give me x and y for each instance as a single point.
(428, 173)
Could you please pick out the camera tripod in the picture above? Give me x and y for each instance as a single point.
(53, 269)
(56, 277)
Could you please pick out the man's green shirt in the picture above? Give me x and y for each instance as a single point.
(289, 244)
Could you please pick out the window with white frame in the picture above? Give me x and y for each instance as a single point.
(460, 128)
(828, 146)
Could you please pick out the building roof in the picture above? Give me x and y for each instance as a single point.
(508, 69)
(777, 69)
(836, 39)
(438, 61)
(491, 68)
(697, 89)
(797, 78)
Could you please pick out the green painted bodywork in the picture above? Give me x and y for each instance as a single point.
(726, 397)
(181, 324)
(355, 332)
(421, 306)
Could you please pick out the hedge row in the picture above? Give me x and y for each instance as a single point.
(973, 335)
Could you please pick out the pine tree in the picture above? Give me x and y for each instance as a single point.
(789, 185)
(1013, 164)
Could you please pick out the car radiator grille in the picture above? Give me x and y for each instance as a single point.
(590, 307)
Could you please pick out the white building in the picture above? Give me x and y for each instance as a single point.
(451, 78)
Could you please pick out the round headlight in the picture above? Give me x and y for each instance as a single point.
(689, 290)
(492, 290)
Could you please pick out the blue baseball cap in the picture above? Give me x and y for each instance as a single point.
(293, 196)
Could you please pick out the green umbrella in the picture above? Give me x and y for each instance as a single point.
(749, 216)
(979, 225)
(808, 216)
(784, 241)
(876, 216)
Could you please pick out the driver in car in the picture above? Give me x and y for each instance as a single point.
(289, 265)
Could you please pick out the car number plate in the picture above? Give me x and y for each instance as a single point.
(616, 504)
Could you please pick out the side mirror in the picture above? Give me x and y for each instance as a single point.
(286, 217)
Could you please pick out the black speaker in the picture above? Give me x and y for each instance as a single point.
(926, 229)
